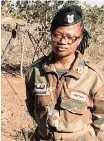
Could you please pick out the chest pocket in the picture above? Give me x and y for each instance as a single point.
(75, 102)
(42, 94)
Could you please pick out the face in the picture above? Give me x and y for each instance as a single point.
(66, 39)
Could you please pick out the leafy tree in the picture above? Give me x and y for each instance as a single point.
(39, 15)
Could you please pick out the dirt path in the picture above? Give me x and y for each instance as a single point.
(14, 113)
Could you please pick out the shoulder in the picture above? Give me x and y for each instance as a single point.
(41, 61)
(95, 68)
(38, 62)
(36, 65)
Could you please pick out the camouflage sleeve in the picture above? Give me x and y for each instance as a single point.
(98, 101)
(98, 113)
(38, 113)
(29, 94)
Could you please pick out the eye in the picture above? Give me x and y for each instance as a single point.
(71, 37)
(57, 35)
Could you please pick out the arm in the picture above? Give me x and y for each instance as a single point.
(98, 96)
(98, 113)
(37, 110)
(29, 94)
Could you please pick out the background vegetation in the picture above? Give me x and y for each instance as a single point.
(32, 41)
(35, 35)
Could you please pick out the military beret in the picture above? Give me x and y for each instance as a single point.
(66, 17)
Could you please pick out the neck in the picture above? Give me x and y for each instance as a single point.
(63, 62)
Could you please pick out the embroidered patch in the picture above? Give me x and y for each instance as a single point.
(78, 96)
(80, 69)
(70, 18)
(41, 86)
(42, 89)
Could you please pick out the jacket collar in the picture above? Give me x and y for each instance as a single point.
(76, 69)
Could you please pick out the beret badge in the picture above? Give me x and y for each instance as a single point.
(70, 18)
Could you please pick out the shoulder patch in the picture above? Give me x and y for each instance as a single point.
(95, 68)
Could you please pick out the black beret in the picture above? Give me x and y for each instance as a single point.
(66, 17)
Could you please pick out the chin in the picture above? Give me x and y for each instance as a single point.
(62, 54)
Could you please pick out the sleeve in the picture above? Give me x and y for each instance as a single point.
(98, 109)
(38, 112)
(29, 92)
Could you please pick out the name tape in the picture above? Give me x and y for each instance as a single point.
(78, 96)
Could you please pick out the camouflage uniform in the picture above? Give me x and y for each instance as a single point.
(71, 107)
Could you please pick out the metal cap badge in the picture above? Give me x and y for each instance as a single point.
(70, 18)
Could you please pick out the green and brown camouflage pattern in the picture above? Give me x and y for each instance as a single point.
(70, 103)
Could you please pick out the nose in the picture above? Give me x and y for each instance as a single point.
(63, 40)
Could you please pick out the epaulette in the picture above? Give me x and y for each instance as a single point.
(96, 68)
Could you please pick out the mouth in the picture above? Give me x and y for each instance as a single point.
(61, 48)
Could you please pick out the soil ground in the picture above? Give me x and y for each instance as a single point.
(15, 117)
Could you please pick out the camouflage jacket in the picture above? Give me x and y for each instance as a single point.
(69, 103)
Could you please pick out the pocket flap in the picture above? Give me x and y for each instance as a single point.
(73, 106)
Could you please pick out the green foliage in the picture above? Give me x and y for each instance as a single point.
(35, 11)
(30, 132)
(42, 12)
(27, 134)
(93, 19)
(39, 15)
(19, 135)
